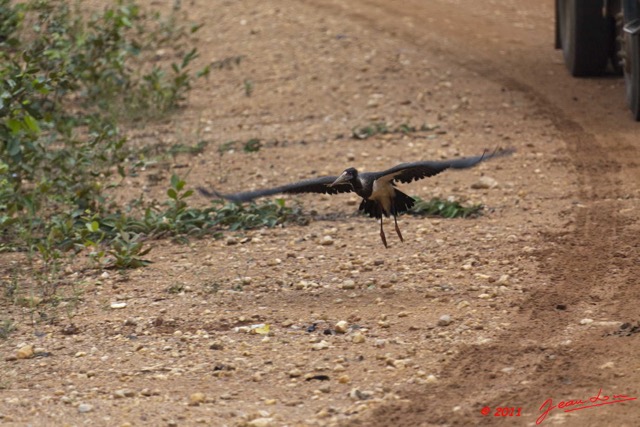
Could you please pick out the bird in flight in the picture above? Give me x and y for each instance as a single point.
(380, 197)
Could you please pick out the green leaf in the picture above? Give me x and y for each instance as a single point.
(32, 124)
(93, 226)
(14, 147)
(174, 181)
(14, 125)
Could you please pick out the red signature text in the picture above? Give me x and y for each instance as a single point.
(576, 405)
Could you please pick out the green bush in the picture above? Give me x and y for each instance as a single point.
(444, 208)
(67, 84)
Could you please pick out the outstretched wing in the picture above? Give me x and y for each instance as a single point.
(407, 172)
(316, 185)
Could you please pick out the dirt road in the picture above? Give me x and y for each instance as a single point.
(537, 299)
(592, 264)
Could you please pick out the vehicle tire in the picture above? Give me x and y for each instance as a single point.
(632, 73)
(585, 36)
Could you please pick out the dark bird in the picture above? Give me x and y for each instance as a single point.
(377, 189)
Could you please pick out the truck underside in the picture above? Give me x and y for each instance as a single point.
(600, 36)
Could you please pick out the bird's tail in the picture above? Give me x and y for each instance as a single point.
(401, 203)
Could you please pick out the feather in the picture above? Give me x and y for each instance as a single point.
(317, 185)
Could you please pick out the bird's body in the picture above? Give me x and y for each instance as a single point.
(379, 195)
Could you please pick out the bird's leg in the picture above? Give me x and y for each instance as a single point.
(382, 236)
(395, 220)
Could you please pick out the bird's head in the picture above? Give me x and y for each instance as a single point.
(349, 175)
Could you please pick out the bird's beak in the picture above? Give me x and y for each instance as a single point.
(342, 178)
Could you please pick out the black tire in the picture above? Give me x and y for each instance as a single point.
(585, 36)
(632, 74)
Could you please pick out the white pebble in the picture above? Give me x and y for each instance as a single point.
(320, 346)
(341, 327)
(85, 407)
(444, 320)
(327, 241)
(348, 284)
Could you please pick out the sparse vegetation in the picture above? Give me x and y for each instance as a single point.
(381, 128)
(248, 87)
(444, 208)
(227, 63)
(266, 214)
(6, 327)
(71, 82)
(175, 288)
(250, 146)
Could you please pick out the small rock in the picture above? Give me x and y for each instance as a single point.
(327, 241)
(485, 182)
(399, 363)
(444, 320)
(85, 407)
(195, 399)
(320, 345)
(121, 394)
(261, 422)
(341, 327)
(586, 321)
(431, 379)
(607, 365)
(348, 284)
(25, 352)
(70, 329)
(357, 394)
(503, 280)
(463, 304)
(358, 338)
(294, 373)
(344, 379)
(118, 305)
(231, 241)
(216, 345)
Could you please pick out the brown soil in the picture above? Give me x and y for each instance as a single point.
(537, 288)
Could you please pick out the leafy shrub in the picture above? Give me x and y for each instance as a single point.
(266, 214)
(443, 208)
(67, 81)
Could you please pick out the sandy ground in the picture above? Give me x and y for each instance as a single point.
(536, 299)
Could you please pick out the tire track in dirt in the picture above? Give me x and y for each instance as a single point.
(580, 263)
